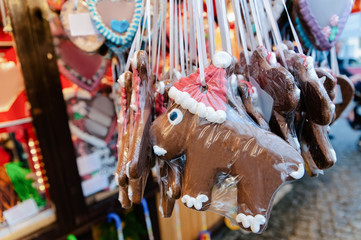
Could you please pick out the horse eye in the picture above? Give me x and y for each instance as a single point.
(175, 116)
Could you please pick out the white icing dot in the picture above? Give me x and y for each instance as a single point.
(222, 59)
(159, 151)
(212, 116)
(202, 110)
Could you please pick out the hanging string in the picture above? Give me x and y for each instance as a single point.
(176, 39)
(236, 9)
(185, 24)
(155, 34)
(334, 63)
(211, 35)
(251, 38)
(181, 48)
(171, 38)
(295, 36)
(192, 37)
(256, 24)
(196, 18)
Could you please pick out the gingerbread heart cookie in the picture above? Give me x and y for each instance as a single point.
(117, 20)
(73, 11)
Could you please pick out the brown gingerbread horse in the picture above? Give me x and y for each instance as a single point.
(215, 140)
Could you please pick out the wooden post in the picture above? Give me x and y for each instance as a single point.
(35, 51)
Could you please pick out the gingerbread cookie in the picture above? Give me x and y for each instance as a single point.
(315, 100)
(329, 83)
(275, 80)
(347, 93)
(216, 142)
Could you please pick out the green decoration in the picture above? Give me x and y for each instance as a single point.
(22, 185)
(77, 116)
(71, 237)
(333, 34)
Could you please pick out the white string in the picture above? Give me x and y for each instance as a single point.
(155, 31)
(197, 24)
(334, 63)
(176, 34)
(181, 48)
(256, 24)
(186, 35)
(171, 37)
(236, 9)
(264, 27)
(275, 30)
(211, 35)
(192, 37)
(222, 21)
(251, 38)
(295, 36)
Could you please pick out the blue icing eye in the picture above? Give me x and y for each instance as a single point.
(119, 26)
(173, 116)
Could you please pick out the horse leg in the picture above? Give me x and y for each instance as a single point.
(254, 201)
(198, 181)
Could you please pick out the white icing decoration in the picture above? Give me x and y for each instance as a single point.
(177, 74)
(134, 60)
(127, 169)
(333, 153)
(159, 151)
(211, 115)
(130, 192)
(333, 107)
(160, 87)
(194, 107)
(222, 59)
(196, 202)
(116, 178)
(273, 60)
(299, 173)
(178, 119)
(202, 110)
(170, 192)
(121, 80)
(250, 221)
(120, 197)
(161, 211)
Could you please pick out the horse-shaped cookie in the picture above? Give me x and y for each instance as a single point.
(215, 140)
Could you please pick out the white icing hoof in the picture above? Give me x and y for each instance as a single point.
(127, 169)
(333, 153)
(159, 151)
(161, 211)
(222, 59)
(130, 193)
(196, 202)
(299, 173)
(120, 197)
(170, 192)
(250, 221)
(116, 178)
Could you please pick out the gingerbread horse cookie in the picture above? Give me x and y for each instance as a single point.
(203, 127)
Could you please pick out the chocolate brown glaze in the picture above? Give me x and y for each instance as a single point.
(261, 160)
(252, 112)
(329, 83)
(316, 139)
(281, 128)
(140, 121)
(348, 91)
(171, 185)
(310, 165)
(276, 81)
(315, 100)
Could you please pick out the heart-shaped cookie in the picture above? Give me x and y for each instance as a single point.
(117, 20)
(88, 42)
(322, 20)
(83, 69)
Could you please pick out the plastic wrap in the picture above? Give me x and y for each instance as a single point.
(135, 117)
(232, 166)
